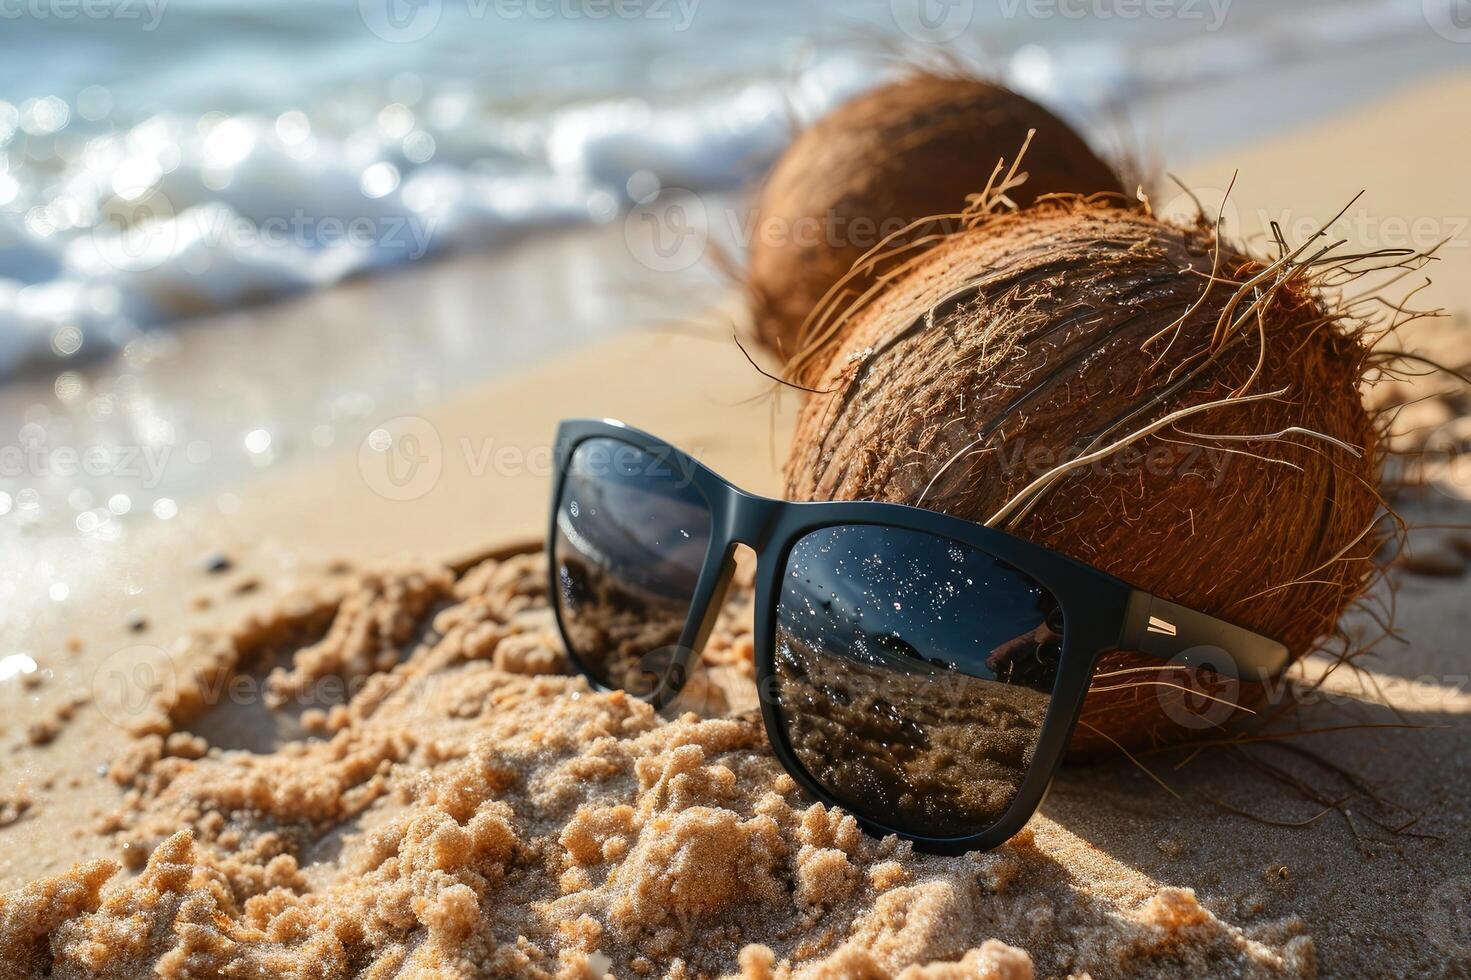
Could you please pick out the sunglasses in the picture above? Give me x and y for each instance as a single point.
(921, 671)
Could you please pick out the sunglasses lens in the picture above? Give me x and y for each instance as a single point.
(631, 535)
(913, 674)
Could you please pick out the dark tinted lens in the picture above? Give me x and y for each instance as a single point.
(632, 532)
(913, 675)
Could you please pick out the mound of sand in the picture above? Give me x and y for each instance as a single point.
(469, 810)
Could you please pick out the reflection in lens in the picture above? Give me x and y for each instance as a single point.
(913, 675)
(631, 535)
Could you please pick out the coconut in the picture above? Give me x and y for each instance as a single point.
(1235, 465)
(904, 151)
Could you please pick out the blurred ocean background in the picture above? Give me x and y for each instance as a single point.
(176, 157)
(166, 166)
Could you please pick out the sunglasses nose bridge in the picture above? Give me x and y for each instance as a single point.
(749, 519)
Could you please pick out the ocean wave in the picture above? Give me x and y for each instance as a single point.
(174, 217)
(106, 232)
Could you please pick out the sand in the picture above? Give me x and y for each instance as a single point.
(408, 783)
(471, 811)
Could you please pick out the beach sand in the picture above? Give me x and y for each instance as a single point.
(447, 801)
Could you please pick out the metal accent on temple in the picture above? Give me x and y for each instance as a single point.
(1157, 625)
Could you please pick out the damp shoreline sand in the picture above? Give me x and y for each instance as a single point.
(1099, 882)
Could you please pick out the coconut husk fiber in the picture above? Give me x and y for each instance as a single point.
(901, 152)
(1041, 336)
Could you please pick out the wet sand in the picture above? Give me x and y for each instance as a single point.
(467, 846)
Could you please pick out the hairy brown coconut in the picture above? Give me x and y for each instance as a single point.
(1010, 348)
(901, 152)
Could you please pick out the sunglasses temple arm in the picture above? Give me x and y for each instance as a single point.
(1169, 631)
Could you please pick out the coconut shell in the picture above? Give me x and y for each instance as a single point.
(1008, 347)
(901, 152)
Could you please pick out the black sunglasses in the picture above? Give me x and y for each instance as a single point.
(921, 671)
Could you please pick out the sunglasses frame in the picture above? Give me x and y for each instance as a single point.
(1101, 613)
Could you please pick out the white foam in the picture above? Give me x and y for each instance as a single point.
(174, 218)
(37, 320)
(179, 216)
